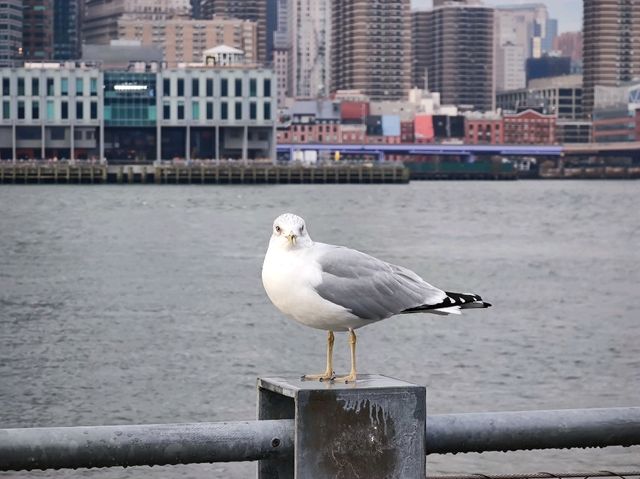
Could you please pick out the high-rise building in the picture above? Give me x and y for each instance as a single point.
(371, 47)
(272, 26)
(101, 17)
(282, 51)
(459, 53)
(255, 10)
(310, 40)
(524, 26)
(37, 34)
(186, 40)
(611, 36)
(67, 16)
(510, 67)
(569, 44)
(419, 51)
(11, 24)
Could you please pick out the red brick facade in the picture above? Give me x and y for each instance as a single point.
(529, 128)
(484, 131)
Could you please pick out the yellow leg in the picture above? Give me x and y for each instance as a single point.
(328, 374)
(351, 377)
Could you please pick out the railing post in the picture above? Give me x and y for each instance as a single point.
(373, 428)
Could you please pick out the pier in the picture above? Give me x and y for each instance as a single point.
(206, 174)
(376, 428)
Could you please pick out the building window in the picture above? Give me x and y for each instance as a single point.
(267, 87)
(35, 110)
(50, 87)
(180, 106)
(94, 110)
(6, 110)
(238, 87)
(93, 86)
(20, 86)
(21, 110)
(79, 110)
(195, 87)
(209, 110)
(64, 86)
(35, 87)
(166, 87)
(267, 110)
(195, 110)
(209, 86)
(253, 87)
(64, 110)
(224, 87)
(180, 86)
(79, 86)
(253, 110)
(166, 110)
(57, 133)
(224, 110)
(238, 110)
(51, 110)
(6, 87)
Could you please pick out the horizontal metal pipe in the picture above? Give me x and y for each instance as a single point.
(105, 446)
(511, 431)
(154, 444)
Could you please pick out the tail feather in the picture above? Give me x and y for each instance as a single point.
(452, 304)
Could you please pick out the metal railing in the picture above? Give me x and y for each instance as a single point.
(137, 445)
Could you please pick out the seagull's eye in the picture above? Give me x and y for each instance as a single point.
(301, 228)
(278, 230)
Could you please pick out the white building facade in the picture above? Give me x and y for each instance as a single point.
(76, 111)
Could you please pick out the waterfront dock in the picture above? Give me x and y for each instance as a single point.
(218, 174)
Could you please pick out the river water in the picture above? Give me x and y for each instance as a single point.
(144, 304)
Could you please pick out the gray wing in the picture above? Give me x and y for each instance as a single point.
(370, 288)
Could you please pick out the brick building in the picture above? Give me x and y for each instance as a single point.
(529, 127)
(483, 130)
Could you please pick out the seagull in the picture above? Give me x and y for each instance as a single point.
(335, 288)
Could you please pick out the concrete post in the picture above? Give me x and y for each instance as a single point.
(373, 428)
(245, 143)
(13, 142)
(217, 152)
(187, 146)
(72, 145)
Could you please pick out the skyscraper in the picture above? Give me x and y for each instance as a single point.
(458, 53)
(371, 47)
(310, 40)
(255, 10)
(611, 37)
(282, 51)
(37, 34)
(66, 29)
(271, 26)
(11, 24)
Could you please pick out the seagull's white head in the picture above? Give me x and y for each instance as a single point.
(289, 232)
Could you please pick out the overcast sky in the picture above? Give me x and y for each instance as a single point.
(568, 12)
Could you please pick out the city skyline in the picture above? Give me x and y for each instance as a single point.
(568, 12)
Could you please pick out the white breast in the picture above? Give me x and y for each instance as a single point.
(289, 277)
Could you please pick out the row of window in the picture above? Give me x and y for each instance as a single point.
(51, 87)
(179, 112)
(176, 87)
(63, 113)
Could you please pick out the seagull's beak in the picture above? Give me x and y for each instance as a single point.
(292, 239)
